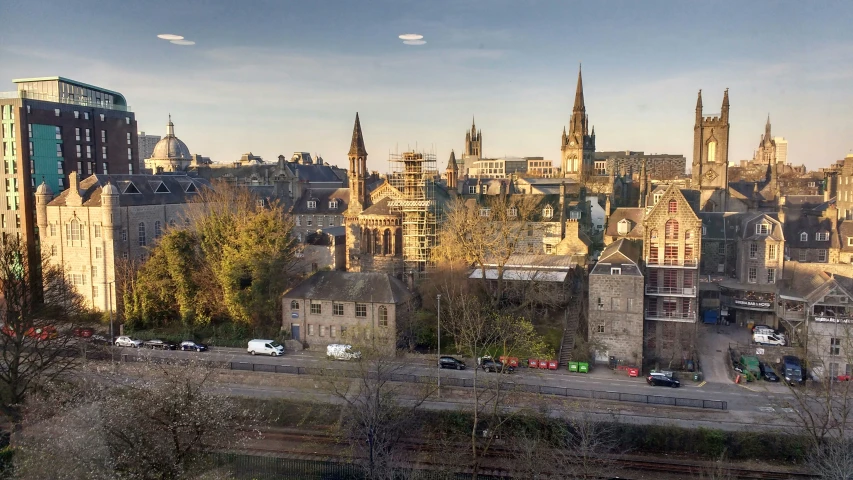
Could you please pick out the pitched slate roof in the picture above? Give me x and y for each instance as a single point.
(810, 225)
(622, 253)
(751, 220)
(361, 287)
(845, 230)
(633, 215)
(382, 207)
(135, 190)
(313, 173)
(322, 196)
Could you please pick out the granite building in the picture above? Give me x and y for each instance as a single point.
(51, 127)
(711, 156)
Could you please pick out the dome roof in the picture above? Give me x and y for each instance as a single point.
(170, 146)
(44, 189)
(109, 189)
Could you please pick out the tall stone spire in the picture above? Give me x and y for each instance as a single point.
(724, 114)
(452, 172)
(357, 145)
(767, 128)
(579, 105)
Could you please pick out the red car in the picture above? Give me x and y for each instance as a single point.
(39, 333)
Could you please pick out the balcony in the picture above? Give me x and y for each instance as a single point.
(83, 102)
(685, 317)
(673, 263)
(671, 291)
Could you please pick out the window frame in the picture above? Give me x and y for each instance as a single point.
(337, 309)
(318, 310)
(361, 310)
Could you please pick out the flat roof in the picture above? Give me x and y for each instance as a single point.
(73, 82)
(521, 275)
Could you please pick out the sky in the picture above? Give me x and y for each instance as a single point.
(274, 77)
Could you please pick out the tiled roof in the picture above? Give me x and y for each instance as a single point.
(134, 190)
(361, 287)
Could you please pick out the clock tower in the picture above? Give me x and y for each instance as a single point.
(578, 146)
(711, 156)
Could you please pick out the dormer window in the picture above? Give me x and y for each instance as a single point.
(658, 197)
(623, 227)
(822, 236)
(574, 215)
(312, 204)
(512, 212)
(485, 212)
(548, 211)
(333, 204)
(762, 228)
(472, 189)
(804, 237)
(616, 270)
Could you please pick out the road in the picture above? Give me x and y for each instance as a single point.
(741, 400)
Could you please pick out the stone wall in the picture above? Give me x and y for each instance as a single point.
(616, 323)
(662, 167)
(319, 330)
(668, 344)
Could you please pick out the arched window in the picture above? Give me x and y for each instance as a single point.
(158, 229)
(712, 151)
(383, 316)
(804, 237)
(142, 240)
(294, 305)
(548, 211)
(74, 231)
(671, 230)
(673, 206)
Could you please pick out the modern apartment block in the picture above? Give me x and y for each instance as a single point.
(52, 126)
(146, 147)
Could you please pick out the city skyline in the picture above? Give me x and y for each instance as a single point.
(277, 79)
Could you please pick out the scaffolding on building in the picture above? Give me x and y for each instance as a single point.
(414, 174)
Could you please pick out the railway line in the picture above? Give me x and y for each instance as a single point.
(499, 461)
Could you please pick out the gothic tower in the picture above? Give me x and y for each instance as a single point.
(578, 146)
(452, 172)
(359, 199)
(474, 142)
(711, 156)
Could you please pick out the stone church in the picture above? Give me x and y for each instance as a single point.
(711, 156)
(578, 146)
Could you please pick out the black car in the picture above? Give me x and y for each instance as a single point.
(160, 344)
(100, 340)
(492, 365)
(767, 373)
(191, 345)
(662, 381)
(450, 362)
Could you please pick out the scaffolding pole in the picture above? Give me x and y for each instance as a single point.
(413, 174)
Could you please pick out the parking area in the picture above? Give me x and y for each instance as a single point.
(713, 344)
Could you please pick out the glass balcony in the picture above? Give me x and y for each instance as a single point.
(671, 291)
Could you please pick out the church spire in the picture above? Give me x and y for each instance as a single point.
(724, 114)
(451, 163)
(357, 146)
(579, 104)
(699, 102)
(767, 128)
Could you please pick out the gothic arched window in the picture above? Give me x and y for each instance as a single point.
(712, 151)
(671, 230)
(383, 316)
(673, 206)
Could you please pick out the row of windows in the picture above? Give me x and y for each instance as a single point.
(772, 251)
(75, 232)
(316, 308)
(57, 112)
(752, 275)
(312, 204)
(334, 330)
(309, 220)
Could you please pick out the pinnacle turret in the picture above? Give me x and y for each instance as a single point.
(451, 163)
(579, 104)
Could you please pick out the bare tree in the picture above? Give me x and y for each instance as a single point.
(145, 421)
(480, 331)
(38, 310)
(378, 411)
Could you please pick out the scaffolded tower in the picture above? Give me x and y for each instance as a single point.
(413, 174)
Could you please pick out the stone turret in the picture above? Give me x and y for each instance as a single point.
(43, 196)
(110, 204)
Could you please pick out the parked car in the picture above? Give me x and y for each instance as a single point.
(265, 347)
(659, 379)
(765, 330)
(450, 362)
(100, 339)
(156, 343)
(793, 370)
(341, 352)
(491, 365)
(768, 339)
(191, 345)
(767, 373)
(125, 341)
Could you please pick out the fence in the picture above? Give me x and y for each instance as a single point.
(251, 467)
(469, 383)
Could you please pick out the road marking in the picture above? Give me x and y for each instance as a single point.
(702, 384)
(787, 410)
(767, 409)
(744, 386)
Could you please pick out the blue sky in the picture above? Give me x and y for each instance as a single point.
(274, 77)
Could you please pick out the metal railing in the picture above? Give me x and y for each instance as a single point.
(469, 383)
(656, 290)
(790, 314)
(24, 94)
(673, 262)
(675, 316)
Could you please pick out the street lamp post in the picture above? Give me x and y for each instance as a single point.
(438, 299)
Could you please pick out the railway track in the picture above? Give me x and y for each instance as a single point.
(322, 445)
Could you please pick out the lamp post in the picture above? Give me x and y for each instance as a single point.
(108, 286)
(438, 321)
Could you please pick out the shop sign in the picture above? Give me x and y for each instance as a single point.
(833, 319)
(751, 303)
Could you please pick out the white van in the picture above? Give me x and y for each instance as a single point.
(337, 351)
(765, 330)
(765, 339)
(265, 347)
